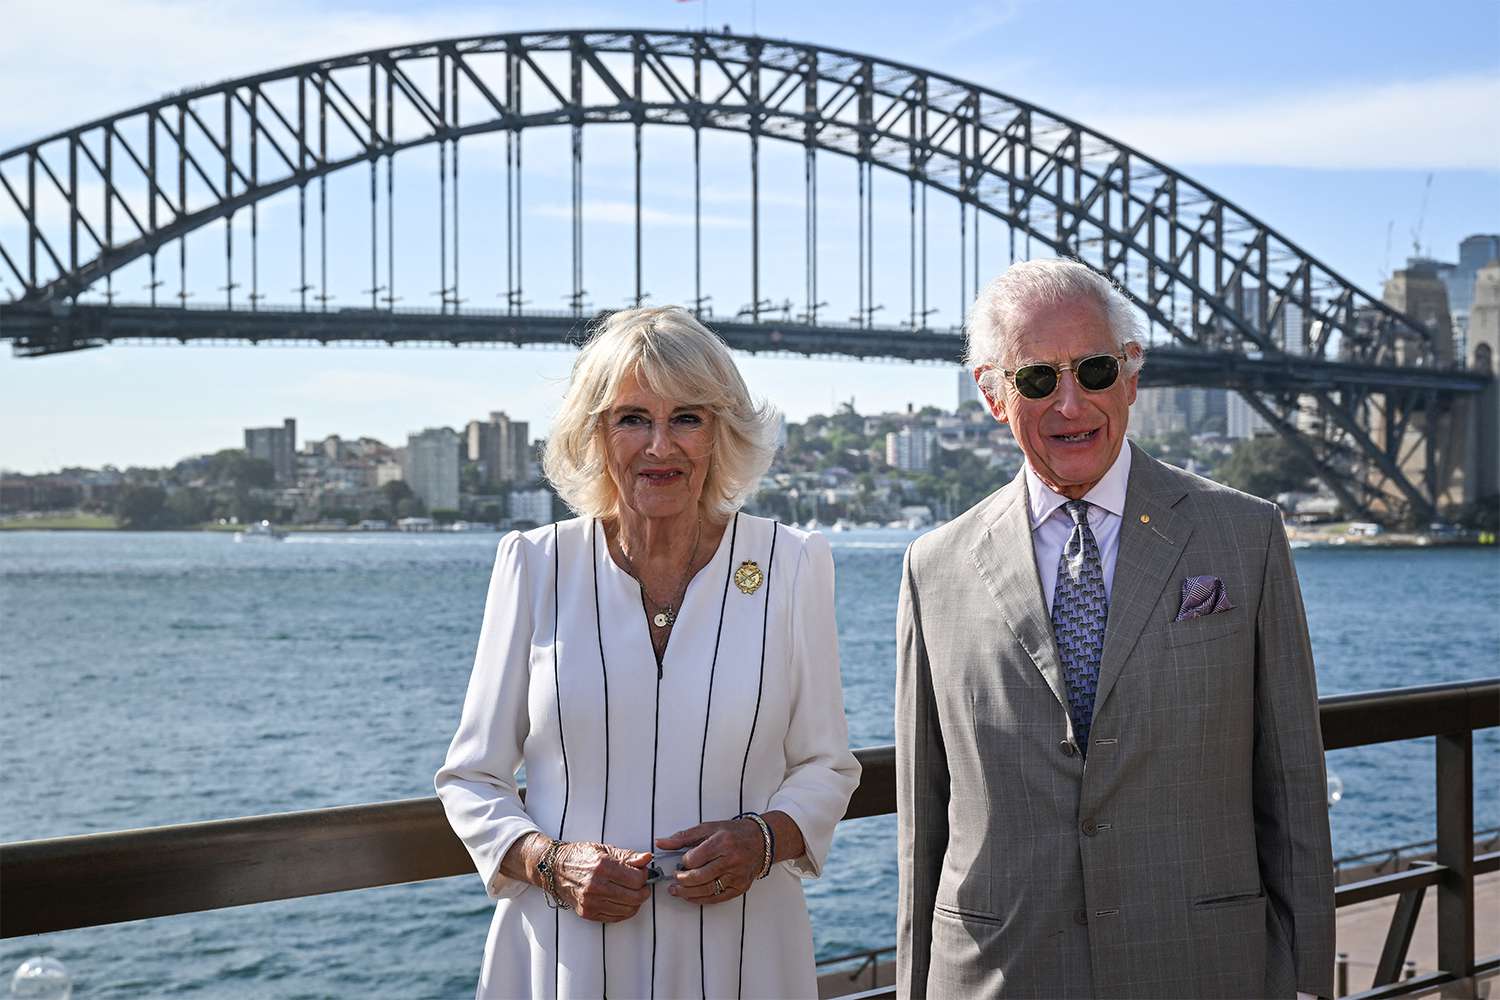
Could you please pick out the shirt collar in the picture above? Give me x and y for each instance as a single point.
(1108, 493)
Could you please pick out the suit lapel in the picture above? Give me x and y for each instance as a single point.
(1152, 540)
(1006, 559)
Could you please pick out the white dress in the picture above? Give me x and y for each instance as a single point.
(746, 714)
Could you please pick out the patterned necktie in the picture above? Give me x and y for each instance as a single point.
(1079, 610)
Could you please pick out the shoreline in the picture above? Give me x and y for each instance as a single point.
(1300, 537)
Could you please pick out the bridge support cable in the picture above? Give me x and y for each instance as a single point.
(323, 295)
(442, 178)
(372, 145)
(457, 215)
(182, 161)
(390, 193)
(638, 119)
(755, 126)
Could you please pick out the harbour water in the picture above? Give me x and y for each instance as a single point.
(164, 678)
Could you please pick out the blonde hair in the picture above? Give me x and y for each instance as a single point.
(676, 357)
(992, 322)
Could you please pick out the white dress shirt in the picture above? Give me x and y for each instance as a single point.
(1051, 525)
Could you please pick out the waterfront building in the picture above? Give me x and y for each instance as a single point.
(431, 467)
(968, 389)
(534, 506)
(1418, 292)
(388, 471)
(499, 444)
(1242, 421)
(910, 448)
(1156, 413)
(277, 445)
(1474, 252)
(1482, 465)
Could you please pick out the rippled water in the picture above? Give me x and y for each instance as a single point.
(167, 678)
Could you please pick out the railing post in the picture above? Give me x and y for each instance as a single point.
(1455, 852)
(1341, 975)
(1398, 938)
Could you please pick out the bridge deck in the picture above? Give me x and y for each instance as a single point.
(43, 329)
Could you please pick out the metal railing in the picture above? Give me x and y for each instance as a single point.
(83, 881)
(1399, 856)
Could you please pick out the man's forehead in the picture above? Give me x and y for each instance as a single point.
(1062, 331)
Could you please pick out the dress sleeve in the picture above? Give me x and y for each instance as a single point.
(821, 772)
(477, 782)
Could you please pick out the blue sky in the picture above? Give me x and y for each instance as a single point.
(1325, 120)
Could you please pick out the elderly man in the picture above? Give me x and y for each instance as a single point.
(1108, 761)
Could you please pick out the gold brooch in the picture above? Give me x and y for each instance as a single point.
(748, 577)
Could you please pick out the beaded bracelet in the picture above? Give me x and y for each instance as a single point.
(768, 838)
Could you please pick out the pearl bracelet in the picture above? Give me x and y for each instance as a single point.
(768, 838)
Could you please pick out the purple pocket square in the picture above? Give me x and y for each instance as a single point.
(1202, 595)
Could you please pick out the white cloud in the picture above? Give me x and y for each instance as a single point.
(1443, 123)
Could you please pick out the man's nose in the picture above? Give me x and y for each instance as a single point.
(1069, 398)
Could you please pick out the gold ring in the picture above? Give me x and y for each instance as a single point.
(718, 887)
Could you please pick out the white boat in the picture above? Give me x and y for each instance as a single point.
(262, 532)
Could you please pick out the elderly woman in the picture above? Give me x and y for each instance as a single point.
(665, 667)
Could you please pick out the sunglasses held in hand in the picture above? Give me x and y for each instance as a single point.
(1094, 373)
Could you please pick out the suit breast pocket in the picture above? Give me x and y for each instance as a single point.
(1204, 629)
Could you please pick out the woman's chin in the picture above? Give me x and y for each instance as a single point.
(661, 501)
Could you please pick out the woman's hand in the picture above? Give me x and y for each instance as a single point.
(725, 858)
(599, 882)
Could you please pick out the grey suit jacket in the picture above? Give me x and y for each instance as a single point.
(1190, 856)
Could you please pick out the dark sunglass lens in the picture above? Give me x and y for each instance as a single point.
(1098, 372)
(1036, 381)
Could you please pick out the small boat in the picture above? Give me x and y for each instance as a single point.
(261, 532)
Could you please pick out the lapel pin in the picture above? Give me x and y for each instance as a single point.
(748, 577)
(1145, 518)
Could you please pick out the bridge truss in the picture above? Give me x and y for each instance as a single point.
(1243, 306)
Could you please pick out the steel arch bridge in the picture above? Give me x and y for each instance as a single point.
(1367, 393)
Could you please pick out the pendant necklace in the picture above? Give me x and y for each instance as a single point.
(666, 614)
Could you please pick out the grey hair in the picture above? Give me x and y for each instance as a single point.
(679, 358)
(991, 330)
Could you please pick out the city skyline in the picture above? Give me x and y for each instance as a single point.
(1310, 152)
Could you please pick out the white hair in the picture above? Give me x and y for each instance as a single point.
(993, 321)
(679, 358)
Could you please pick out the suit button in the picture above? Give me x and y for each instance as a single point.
(1081, 917)
(1090, 828)
(1068, 748)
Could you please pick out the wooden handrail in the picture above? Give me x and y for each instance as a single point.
(68, 882)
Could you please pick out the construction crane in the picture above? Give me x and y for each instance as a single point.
(1416, 233)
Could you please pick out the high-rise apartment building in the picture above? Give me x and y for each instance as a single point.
(910, 448)
(968, 389)
(499, 444)
(430, 467)
(1474, 253)
(277, 445)
(1241, 420)
(534, 506)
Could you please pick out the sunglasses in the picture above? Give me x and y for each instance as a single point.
(1094, 373)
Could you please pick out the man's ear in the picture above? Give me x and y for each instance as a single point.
(993, 401)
